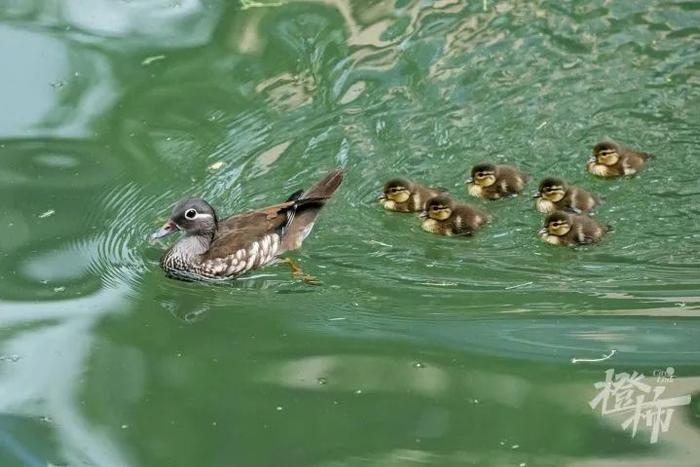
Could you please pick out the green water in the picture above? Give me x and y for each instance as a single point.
(416, 350)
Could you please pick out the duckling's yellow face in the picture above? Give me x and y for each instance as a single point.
(484, 177)
(439, 212)
(397, 193)
(607, 156)
(558, 227)
(553, 193)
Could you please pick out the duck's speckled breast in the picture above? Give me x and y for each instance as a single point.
(180, 264)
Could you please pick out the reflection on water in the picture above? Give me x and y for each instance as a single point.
(45, 381)
(416, 349)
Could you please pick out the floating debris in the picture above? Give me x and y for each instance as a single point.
(59, 289)
(279, 408)
(519, 285)
(46, 214)
(418, 365)
(602, 359)
(245, 4)
(125, 426)
(322, 381)
(152, 59)
(217, 165)
(377, 242)
(358, 392)
(439, 284)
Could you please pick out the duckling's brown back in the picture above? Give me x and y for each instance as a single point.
(586, 229)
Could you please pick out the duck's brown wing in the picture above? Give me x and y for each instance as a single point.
(290, 221)
(240, 231)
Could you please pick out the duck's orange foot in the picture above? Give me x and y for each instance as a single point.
(298, 273)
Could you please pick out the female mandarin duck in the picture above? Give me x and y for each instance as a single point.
(222, 249)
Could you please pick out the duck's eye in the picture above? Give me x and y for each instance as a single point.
(190, 213)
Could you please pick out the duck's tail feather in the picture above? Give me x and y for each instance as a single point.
(326, 187)
(308, 205)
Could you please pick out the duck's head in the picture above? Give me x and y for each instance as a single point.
(397, 190)
(606, 153)
(193, 216)
(558, 224)
(483, 174)
(552, 189)
(438, 208)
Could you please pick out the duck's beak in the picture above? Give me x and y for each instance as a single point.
(592, 159)
(537, 194)
(423, 215)
(542, 231)
(381, 196)
(168, 228)
(469, 180)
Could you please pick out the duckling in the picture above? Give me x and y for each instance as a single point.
(403, 195)
(554, 194)
(492, 181)
(445, 216)
(612, 160)
(566, 229)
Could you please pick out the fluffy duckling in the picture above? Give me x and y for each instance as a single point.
(493, 181)
(612, 160)
(554, 194)
(445, 216)
(566, 229)
(403, 195)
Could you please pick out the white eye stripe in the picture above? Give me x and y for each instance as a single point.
(192, 214)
